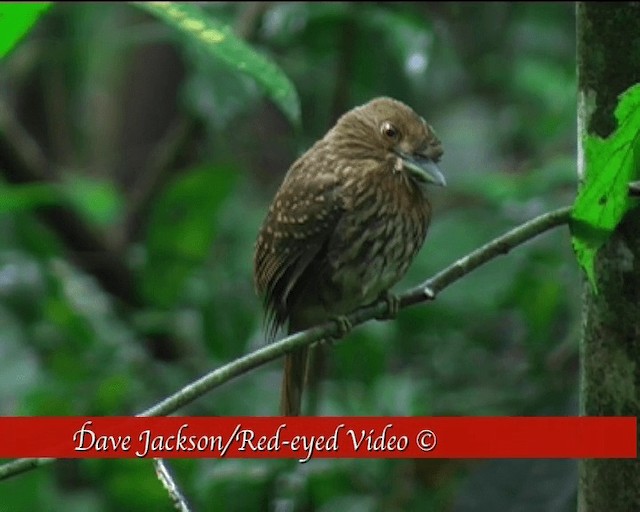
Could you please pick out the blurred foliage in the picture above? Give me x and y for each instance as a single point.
(181, 230)
(173, 156)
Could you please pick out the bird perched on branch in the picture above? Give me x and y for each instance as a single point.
(346, 223)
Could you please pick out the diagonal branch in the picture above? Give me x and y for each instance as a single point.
(421, 293)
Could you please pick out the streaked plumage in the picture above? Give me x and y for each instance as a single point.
(346, 223)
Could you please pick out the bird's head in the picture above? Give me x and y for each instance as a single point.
(389, 130)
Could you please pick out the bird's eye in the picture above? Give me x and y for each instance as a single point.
(390, 131)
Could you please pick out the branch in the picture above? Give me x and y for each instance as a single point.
(421, 293)
(168, 482)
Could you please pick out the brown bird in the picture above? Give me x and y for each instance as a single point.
(344, 226)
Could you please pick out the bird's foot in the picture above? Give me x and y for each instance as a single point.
(344, 327)
(393, 306)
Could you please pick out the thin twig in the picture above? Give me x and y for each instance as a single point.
(421, 293)
(169, 483)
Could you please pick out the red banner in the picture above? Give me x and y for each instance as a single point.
(319, 437)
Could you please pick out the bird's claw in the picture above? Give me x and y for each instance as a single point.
(344, 327)
(393, 306)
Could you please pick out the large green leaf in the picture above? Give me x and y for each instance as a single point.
(16, 20)
(611, 164)
(219, 40)
(181, 230)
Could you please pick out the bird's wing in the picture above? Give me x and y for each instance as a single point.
(298, 226)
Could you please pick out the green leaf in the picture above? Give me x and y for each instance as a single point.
(16, 21)
(14, 198)
(182, 227)
(604, 200)
(99, 202)
(219, 40)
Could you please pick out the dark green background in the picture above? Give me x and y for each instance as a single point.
(114, 97)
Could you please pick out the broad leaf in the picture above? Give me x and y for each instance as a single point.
(220, 41)
(611, 164)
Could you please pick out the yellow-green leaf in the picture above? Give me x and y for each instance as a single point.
(220, 41)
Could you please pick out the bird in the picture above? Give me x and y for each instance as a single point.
(345, 224)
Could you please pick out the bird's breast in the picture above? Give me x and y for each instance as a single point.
(377, 238)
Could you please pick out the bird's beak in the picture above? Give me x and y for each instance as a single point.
(423, 169)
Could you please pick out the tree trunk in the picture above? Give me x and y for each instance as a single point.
(608, 64)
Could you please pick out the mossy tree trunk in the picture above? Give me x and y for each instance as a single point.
(608, 64)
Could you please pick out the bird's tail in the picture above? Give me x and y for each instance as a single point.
(295, 369)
